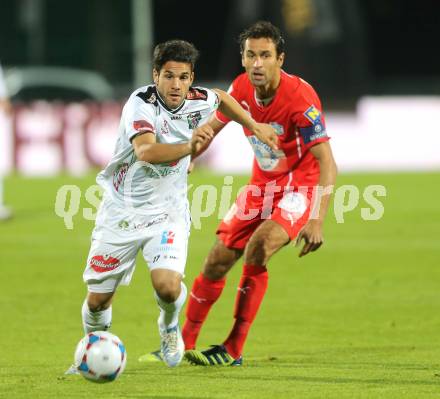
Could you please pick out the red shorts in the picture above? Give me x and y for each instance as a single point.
(290, 209)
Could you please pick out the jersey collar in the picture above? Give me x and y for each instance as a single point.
(162, 102)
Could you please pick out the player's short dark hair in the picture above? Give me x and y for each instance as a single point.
(263, 29)
(174, 50)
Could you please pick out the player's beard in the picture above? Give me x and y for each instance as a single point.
(259, 79)
(174, 102)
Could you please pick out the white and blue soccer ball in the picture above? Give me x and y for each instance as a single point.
(100, 357)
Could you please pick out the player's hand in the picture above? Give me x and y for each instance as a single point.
(190, 167)
(266, 133)
(312, 236)
(201, 138)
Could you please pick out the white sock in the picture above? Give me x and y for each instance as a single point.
(96, 321)
(169, 312)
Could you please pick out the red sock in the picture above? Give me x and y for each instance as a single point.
(204, 294)
(253, 285)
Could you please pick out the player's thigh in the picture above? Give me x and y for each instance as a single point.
(109, 264)
(267, 239)
(220, 260)
(240, 222)
(288, 218)
(167, 247)
(292, 212)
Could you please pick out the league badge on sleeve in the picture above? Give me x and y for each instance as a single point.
(312, 114)
(317, 130)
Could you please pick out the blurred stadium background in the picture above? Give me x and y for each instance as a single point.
(361, 314)
(372, 62)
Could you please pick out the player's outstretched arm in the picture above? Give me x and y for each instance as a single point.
(232, 109)
(216, 126)
(147, 150)
(312, 231)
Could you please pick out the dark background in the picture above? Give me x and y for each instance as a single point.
(345, 48)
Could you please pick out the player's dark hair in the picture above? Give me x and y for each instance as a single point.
(174, 50)
(263, 29)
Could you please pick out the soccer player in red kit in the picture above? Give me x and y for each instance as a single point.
(277, 205)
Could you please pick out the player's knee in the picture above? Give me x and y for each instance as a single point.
(168, 290)
(97, 304)
(216, 269)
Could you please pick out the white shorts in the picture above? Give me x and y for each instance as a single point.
(119, 236)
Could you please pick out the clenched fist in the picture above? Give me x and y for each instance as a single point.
(201, 138)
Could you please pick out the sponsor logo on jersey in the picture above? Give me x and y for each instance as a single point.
(176, 117)
(119, 175)
(279, 130)
(145, 225)
(162, 171)
(142, 125)
(123, 225)
(193, 119)
(196, 94)
(165, 129)
(104, 263)
(312, 114)
(267, 158)
(167, 237)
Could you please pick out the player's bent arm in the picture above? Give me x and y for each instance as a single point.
(216, 126)
(233, 110)
(312, 231)
(327, 178)
(147, 150)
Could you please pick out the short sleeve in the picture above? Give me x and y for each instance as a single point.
(314, 130)
(138, 117)
(310, 120)
(213, 100)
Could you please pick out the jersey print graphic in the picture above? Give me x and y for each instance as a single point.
(167, 237)
(142, 126)
(317, 130)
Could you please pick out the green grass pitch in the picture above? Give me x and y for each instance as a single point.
(360, 318)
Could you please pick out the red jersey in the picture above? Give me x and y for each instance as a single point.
(295, 114)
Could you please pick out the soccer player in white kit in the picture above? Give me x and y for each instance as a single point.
(145, 206)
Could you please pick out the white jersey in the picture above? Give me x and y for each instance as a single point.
(152, 189)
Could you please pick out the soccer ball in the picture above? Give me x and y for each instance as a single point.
(100, 356)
